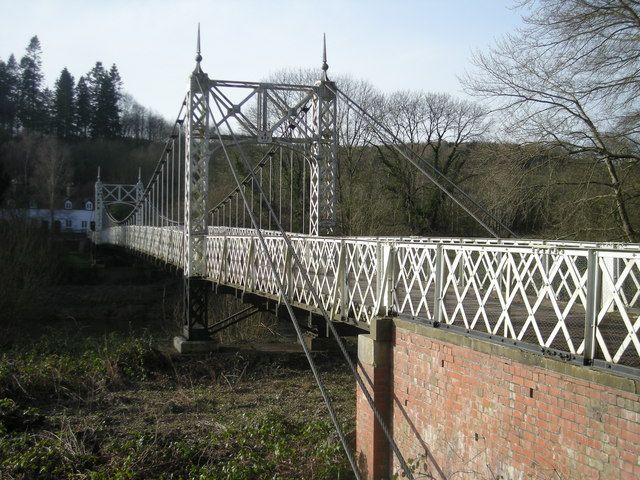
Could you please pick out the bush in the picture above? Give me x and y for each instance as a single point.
(75, 369)
(28, 261)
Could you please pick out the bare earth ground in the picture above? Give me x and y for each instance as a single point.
(90, 387)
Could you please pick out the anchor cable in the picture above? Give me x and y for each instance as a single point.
(320, 305)
(327, 399)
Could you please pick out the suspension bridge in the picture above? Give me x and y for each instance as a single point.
(274, 236)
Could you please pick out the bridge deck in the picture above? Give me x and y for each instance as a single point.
(540, 293)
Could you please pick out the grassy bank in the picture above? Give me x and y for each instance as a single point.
(91, 389)
(122, 408)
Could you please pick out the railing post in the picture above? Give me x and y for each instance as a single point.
(592, 307)
(223, 260)
(384, 278)
(249, 268)
(438, 303)
(288, 269)
(343, 279)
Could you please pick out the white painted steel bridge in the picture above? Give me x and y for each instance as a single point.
(274, 235)
(544, 293)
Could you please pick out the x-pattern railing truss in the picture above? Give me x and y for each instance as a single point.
(116, 193)
(535, 295)
(265, 112)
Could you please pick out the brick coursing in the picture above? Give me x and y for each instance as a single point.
(457, 412)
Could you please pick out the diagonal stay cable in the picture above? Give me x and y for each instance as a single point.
(244, 180)
(325, 314)
(159, 165)
(325, 395)
(441, 178)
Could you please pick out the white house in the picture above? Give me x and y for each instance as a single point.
(68, 218)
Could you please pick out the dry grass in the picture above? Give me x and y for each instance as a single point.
(100, 393)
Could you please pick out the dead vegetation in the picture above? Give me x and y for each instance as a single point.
(91, 389)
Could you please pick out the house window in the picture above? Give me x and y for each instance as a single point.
(68, 205)
(68, 223)
(88, 206)
(84, 224)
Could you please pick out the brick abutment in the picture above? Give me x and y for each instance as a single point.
(463, 407)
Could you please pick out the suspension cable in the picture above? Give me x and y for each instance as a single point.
(441, 178)
(285, 296)
(323, 310)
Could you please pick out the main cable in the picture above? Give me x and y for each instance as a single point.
(323, 310)
(285, 296)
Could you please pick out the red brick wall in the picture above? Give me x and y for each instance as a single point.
(462, 413)
(491, 416)
(371, 445)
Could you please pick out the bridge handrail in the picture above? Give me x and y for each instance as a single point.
(581, 298)
(532, 242)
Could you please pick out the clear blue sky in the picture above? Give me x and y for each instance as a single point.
(396, 45)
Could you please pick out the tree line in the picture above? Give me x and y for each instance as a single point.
(550, 145)
(93, 107)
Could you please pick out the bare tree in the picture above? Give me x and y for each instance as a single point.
(569, 79)
(52, 171)
(133, 117)
(437, 127)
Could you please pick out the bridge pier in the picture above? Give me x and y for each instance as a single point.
(374, 365)
(196, 315)
(195, 336)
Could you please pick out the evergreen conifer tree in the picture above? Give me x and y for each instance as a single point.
(106, 113)
(83, 108)
(46, 116)
(64, 105)
(9, 81)
(94, 84)
(30, 108)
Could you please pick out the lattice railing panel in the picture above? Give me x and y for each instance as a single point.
(618, 315)
(415, 279)
(515, 293)
(320, 259)
(361, 270)
(265, 278)
(537, 295)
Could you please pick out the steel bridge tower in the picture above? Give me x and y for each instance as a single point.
(196, 181)
(310, 123)
(107, 194)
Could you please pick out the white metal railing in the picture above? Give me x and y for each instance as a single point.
(530, 242)
(163, 243)
(580, 298)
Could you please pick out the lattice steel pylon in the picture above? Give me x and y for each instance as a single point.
(299, 117)
(324, 150)
(196, 180)
(139, 195)
(107, 194)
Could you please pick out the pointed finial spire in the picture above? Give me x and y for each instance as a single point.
(139, 174)
(98, 173)
(325, 66)
(198, 55)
